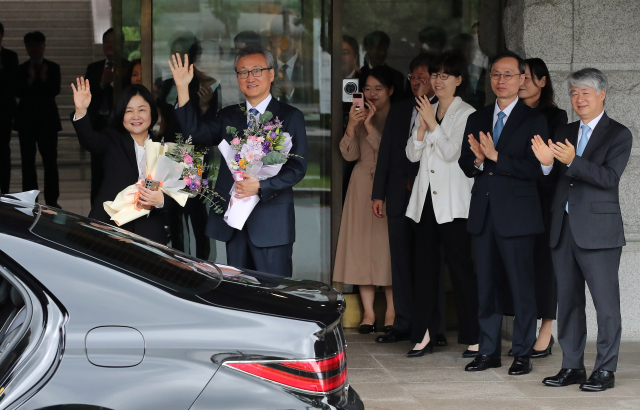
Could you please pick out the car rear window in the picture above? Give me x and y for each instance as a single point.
(149, 260)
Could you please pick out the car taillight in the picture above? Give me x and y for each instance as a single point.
(315, 376)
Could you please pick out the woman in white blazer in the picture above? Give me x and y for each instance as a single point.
(439, 207)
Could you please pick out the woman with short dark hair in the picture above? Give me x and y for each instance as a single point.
(122, 145)
(537, 92)
(439, 207)
(363, 256)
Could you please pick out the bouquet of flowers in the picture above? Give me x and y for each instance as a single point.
(194, 167)
(177, 168)
(261, 151)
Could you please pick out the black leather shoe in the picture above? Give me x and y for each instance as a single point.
(566, 377)
(387, 328)
(600, 380)
(483, 362)
(537, 354)
(393, 336)
(421, 352)
(366, 329)
(469, 353)
(441, 340)
(521, 365)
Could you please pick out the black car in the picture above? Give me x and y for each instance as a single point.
(95, 317)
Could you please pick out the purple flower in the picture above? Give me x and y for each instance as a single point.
(266, 150)
(205, 182)
(272, 134)
(237, 157)
(266, 144)
(193, 186)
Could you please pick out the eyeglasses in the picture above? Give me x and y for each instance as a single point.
(412, 78)
(257, 72)
(443, 76)
(378, 89)
(507, 76)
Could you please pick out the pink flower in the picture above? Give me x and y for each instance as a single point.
(187, 180)
(252, 138)
(197, 181)
(268, 127)
(260, 139)
(235, 141)
(188, 159)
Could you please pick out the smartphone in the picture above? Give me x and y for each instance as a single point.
(150, 184)
(358, 100)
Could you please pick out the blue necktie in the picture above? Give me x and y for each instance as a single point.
(253, 115)
(584, 139)
(497, 130)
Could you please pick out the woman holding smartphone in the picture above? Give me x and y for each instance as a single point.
(439, 207)
(363, 257)
(122, 146)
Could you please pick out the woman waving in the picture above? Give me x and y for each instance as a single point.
(122, 145)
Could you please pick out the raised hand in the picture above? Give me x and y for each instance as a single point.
(355, 118)
(542, 151)
(182, 73)
(370, 113)
(81, 96)
(488, 147)
(427, 112)
(564, 153)
(477, 150)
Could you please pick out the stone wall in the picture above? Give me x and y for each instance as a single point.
(572, 34)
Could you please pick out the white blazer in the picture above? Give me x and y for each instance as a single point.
(438, 154)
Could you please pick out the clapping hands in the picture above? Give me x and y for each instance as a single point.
(545, 153)
(484, 148)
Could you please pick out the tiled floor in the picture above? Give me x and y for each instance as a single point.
(386, 379)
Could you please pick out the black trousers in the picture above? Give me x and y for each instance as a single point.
(276, 260)
(401, 243)
(515, 255)
(196, 211)
(455, 242)
(97, 175)
(47, 144)
(599, 269)
(5, 154)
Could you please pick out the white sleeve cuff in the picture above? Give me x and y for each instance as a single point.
(546, 169)
(481, 167)
(76, 119)
(418, 144)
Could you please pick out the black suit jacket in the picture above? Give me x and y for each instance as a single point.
(393, 168)
(272, 222)
(302, 85)
(9, 60)
(37, 110)
(507, 187)
(120, 170)
(590, 185)
(94, 75)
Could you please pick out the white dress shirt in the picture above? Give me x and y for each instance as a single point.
(262, 107)
(592, 125)
(496, 111)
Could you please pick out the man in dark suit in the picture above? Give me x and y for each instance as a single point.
(505, 213)
(100, 75)
(292, 83)
(392, 184)
(586, 228)
(37, 119)
(8, 66)
(265, 243)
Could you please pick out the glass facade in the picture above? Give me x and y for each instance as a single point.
(302, 36)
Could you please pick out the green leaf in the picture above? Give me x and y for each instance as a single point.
(231, 130)
(279, 147)
(267, 116)
(274, 158)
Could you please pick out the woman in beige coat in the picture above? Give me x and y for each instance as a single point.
(363, 256)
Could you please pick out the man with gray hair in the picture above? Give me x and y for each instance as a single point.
(587, 159)
(265, 243)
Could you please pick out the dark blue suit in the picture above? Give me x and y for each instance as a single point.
(504, 217)
(266, 241)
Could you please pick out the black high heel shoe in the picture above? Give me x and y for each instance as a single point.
(543, 353)
(421, 352)
(366, 329)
